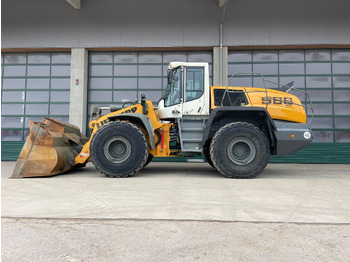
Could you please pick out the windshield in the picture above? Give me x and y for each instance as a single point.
(172, 93)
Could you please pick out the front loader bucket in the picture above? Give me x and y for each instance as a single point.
(50, 149)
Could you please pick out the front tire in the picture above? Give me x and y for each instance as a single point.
(239, 150)
(119, 149)
(149, 159)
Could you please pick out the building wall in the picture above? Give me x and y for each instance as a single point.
(160, 30)
(165, 23)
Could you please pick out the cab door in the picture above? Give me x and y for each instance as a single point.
(193, 91)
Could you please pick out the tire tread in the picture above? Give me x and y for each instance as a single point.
(120, 175)
(214, 145)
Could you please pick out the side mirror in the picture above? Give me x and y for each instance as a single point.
(170, 76)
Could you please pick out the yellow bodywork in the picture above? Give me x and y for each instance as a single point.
(162, 149)
(280, 105)
(53, 146)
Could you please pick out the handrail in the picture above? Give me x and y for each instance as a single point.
(290, 88)
(238, 73)
(308, 100)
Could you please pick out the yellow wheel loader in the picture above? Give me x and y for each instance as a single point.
(235, 128)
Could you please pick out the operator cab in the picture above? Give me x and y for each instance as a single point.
(187, 91)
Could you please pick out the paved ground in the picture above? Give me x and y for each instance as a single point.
(195, 191)
(179, 212)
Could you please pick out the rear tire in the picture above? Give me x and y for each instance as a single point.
(119, 149)
(239, 150)
(206, 153)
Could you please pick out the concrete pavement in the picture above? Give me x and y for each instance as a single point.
(178, 212)
(186, 191)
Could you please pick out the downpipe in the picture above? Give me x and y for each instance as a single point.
(223, 4)
(220, 54)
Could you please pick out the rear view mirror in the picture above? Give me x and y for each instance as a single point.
(170, 76)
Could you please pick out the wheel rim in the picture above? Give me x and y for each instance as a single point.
(117, 149)
(241, 151)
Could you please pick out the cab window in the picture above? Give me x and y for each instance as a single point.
(232, 97)
(172, 94)
(194, 83)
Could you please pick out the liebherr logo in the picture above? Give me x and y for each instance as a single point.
(132, 110)
(101, 123)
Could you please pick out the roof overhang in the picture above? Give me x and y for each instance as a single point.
(173, 65)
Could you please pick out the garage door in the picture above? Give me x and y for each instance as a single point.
(34, 85)
(118, 77)
(325, 75)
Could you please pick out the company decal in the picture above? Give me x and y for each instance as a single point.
(266, 100)
(132, 110)
(103, 122)
(307, 135)
(100, 124)
(84, 154)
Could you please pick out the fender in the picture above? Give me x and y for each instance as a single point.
(221, 116)
(139, 119)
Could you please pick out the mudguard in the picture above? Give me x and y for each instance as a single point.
(140, 119)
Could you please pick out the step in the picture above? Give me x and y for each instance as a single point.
(192, 140)
(192, 129)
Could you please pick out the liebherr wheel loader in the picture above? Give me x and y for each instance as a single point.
(235, 128)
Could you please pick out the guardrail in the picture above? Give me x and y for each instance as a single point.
(283, 88)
